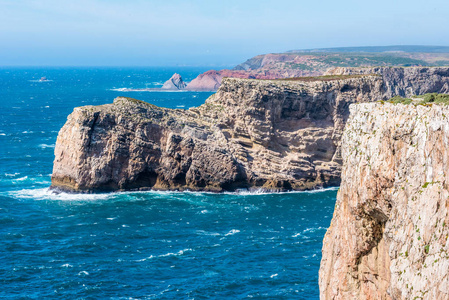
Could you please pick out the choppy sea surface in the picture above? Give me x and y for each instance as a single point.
(138, 245)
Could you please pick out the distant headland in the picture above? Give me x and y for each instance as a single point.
(315, 62)
(273, 135)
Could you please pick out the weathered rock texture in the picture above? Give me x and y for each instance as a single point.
(405, 82)
(276, 135)
(271, 134)
(174, 83)
(389, 235)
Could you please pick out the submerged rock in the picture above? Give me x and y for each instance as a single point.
(389, 234)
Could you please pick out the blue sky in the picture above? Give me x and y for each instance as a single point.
(208, 33)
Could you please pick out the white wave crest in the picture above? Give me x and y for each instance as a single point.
(47, 194)
(232, 232)
(21, 178)
(11, 174)
(260, 191)
(43, 146)
(180, 252)
(85, 273)
(314, 229)
(311, 230)
(158, 90)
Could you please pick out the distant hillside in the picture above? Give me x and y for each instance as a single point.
(404, 48)
(319, 60)
(315, 62)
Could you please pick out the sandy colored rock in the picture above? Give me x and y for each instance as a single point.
(404, 81)
(389, 234)
(269, 134)
(274, 135)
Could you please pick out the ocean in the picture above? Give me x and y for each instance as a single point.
(138, 245)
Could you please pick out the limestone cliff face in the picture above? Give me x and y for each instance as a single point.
(389, 235)
(270, 134)
(275, 135)
(404, 81)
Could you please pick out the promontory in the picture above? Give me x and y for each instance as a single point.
(256, 134)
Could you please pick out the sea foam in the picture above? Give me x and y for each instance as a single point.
(47, 194)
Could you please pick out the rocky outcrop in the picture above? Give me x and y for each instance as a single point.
(275, 135)
(270, 134)
(174, 83)
(405, 82)
(389, 234)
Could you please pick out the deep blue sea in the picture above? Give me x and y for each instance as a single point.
(138, 245)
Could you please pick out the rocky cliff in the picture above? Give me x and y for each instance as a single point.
(316, 62)
(270, 134)
(389, 234)
(406, 82)
(275, 135)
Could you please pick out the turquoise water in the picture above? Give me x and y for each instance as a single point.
(145, 245)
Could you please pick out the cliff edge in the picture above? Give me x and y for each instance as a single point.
(389, 234)
(273, 135)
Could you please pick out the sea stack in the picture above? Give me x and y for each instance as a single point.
(174, 83)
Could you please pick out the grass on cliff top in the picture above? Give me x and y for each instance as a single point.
(136, 101)
(432, 98)
(325, 77)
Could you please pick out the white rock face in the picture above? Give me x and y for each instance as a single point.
(389, 235)
(174, 83)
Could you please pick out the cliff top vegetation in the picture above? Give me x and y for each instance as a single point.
(432, 98)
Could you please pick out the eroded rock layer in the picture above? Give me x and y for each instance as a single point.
(404, 81)
(270, 134)
(389, 234)
(275, 135)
